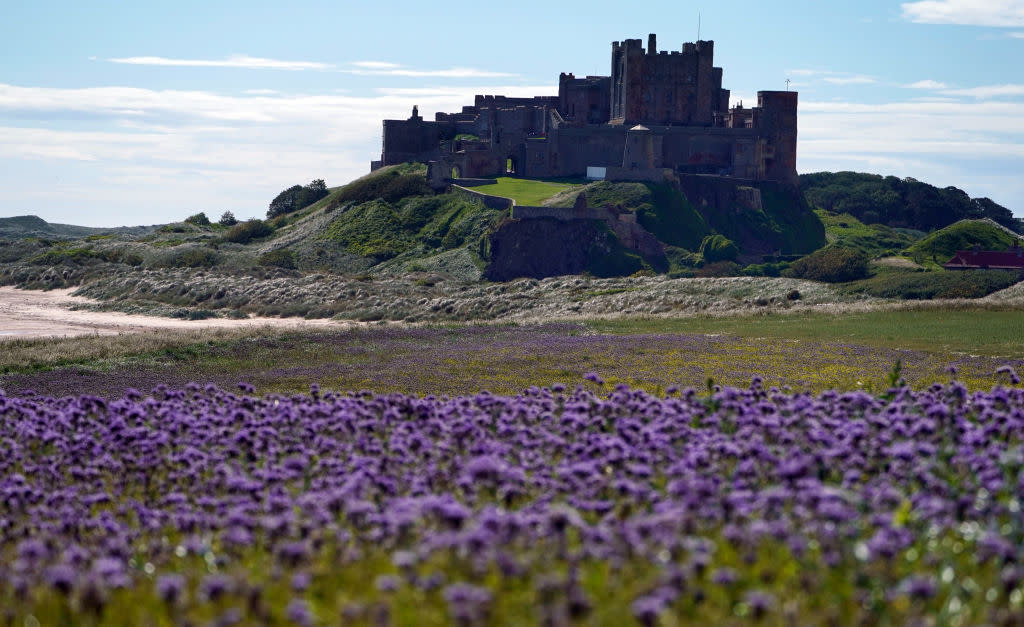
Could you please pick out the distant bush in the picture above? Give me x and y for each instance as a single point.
(718, 248)
(177, 227)
(280, 258)
(718, 269)
(831, 265)
(227, 219)
(296, 197)
(937, 284)
(76, 256)
(247, 231)
(765, 269)
(198, 219)
(193, 257)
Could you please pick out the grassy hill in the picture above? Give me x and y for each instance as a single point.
(896, 202)
(940, 246)
(846, 231)
(34, 226)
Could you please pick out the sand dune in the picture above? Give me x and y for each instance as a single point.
(34, 314)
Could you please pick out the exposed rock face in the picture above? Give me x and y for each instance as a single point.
(543, 247)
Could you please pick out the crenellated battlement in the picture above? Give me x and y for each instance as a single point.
(676, 94)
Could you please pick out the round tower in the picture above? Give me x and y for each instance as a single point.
(639, 150)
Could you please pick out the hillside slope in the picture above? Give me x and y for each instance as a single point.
(34, 226)
(896, 202)
(940, 246)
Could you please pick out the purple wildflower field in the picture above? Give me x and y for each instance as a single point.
(507, 359)
(586, 505)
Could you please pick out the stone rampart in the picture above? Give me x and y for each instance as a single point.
(499, 203)
(474, 182)
(624, 225)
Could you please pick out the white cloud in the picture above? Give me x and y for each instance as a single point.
(988, 91)
(849, 80)
(927, 129)
(1016, 35)
(833, 77)
(376, 65)
(514, 91)
(234, 61)
(179, 148)
(1000, 13)
(455, 72)
(927, 84)
(261, 92)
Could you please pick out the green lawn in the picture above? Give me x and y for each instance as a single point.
(976, 332)
(523, 191)
(807, 352)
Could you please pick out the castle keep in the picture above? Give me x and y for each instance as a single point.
(659, 110)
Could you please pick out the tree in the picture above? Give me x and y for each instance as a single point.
(296, 197)
(227, 219)
(198, 219)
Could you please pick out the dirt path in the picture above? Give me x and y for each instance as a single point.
(33, 314)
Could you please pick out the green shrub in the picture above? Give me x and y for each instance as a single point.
(937, 284)
(177, 227)
(194, 257)
(391, 186)
(718, 248)
(227, 219)
(607, 257)
(280, 258)
(765, 269)
(198, 219)
(75, 256)
(831, 265)
(718, 269)
(247, 231)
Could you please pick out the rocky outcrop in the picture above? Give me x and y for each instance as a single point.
(543, 247)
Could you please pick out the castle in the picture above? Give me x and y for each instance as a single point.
(659, 111)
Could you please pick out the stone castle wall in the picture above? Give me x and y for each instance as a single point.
(677, 95)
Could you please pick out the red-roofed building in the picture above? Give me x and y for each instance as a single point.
(1012, 259)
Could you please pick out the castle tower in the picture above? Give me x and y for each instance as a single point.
(639, 150)
(666, 88)
(777, 122)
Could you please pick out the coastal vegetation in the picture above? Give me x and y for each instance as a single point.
(834, 436)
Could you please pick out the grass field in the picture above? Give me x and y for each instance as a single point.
(467, 496)
(805, 352)
(975, 332)
(524, 191)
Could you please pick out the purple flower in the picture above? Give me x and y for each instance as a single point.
(62, 577)
(646, 609)
(170, 588)
(298, 612)
(215, 586)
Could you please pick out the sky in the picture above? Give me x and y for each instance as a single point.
(115, 113)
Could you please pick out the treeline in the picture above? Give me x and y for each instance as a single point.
(902, 203)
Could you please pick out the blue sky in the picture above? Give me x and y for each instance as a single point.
(118, 113)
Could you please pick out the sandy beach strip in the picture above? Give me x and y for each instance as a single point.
(26, 314)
